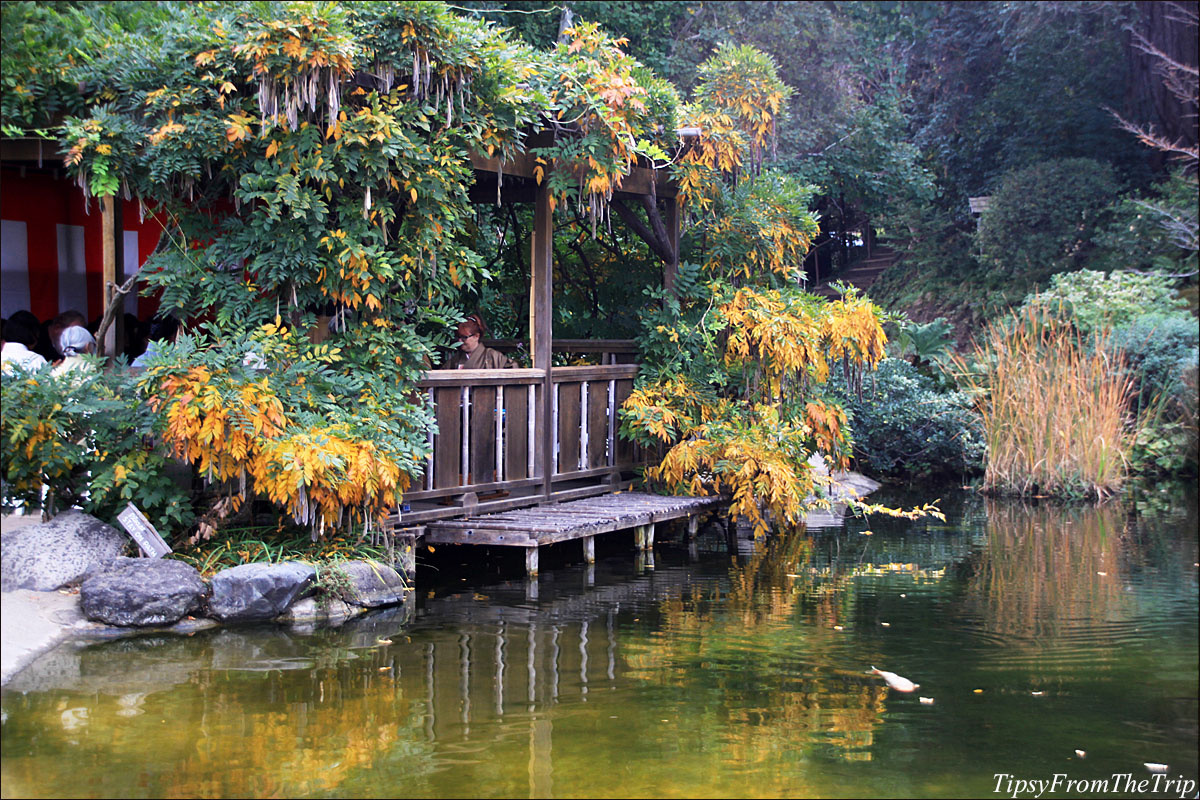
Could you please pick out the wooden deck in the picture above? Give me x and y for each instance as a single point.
(532, 528)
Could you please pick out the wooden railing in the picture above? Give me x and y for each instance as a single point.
(604, 351)
(487, 449)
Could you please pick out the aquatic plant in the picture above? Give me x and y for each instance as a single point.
(1055, 409)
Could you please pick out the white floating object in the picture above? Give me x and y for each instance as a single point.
(1101, 573)
(886, 624)
(1037, 694)
(897, 682)
(1081, 753)
(1158, 769)
(838, 628)
(902, 594)
(927, 701)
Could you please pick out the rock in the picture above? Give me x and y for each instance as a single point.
(852, 484)
(307, 614)
(372, 584)
(258, 591)
(142, 591)
(51, 554)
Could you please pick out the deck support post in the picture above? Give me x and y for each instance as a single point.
(643, 535)
(693, 525)
(589, 549)
(531, 562)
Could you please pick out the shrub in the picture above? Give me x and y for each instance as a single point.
(902, 425)
(1043, 218)
(88, 438)
(1159, 349)
(1094, 300)
(1153, 232)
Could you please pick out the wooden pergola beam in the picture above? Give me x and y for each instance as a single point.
(640, 180)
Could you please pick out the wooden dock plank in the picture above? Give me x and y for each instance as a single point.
(576, 519)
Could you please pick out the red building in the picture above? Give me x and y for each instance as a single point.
(51, 239)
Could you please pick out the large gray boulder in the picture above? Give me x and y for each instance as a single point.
(142, 591)
(372, 584)
(258, 591)
(64, 550)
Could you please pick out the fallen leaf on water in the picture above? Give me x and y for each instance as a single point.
(838, 628)
(867, 533)
(927, 700)
(902, 594)
(1101, 573)
(1157, 768)
(977, 691)
(383, 641)
(1037, 694)
(1081, 753)
(384, 669)
(886, 624)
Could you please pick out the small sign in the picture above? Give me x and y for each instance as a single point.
(141, 531)
(979, 204)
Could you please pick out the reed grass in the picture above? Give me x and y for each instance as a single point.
(1055, 408)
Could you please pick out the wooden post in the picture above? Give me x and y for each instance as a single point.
(671, 268)
(541, 311)
(531, 562)
(589, 549)
(643, 536)
(109, 236)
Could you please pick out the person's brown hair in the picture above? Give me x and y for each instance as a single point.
(474, 326)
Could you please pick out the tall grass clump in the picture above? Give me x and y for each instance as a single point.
(1054, 408)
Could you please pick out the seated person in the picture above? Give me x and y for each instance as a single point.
(19, 339)
(472, 354)
(163, 330)
(67, 319)
(74, 343)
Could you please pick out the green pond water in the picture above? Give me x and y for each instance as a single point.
(1036, 631)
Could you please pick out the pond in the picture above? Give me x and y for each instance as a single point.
(1046, 640)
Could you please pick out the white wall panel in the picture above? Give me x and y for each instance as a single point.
(14, 268)
(72, 271)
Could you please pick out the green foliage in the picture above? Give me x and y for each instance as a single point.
(1159, 350)
(1044, 219)
(926, 346)
(1154, 232)
(275, 545)
(1093, 300)
(904, 425)
(89, 437)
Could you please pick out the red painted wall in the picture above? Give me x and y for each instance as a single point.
(43, 201)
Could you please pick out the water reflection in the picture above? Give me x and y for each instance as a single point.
(699, 674)
(1046, 569)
